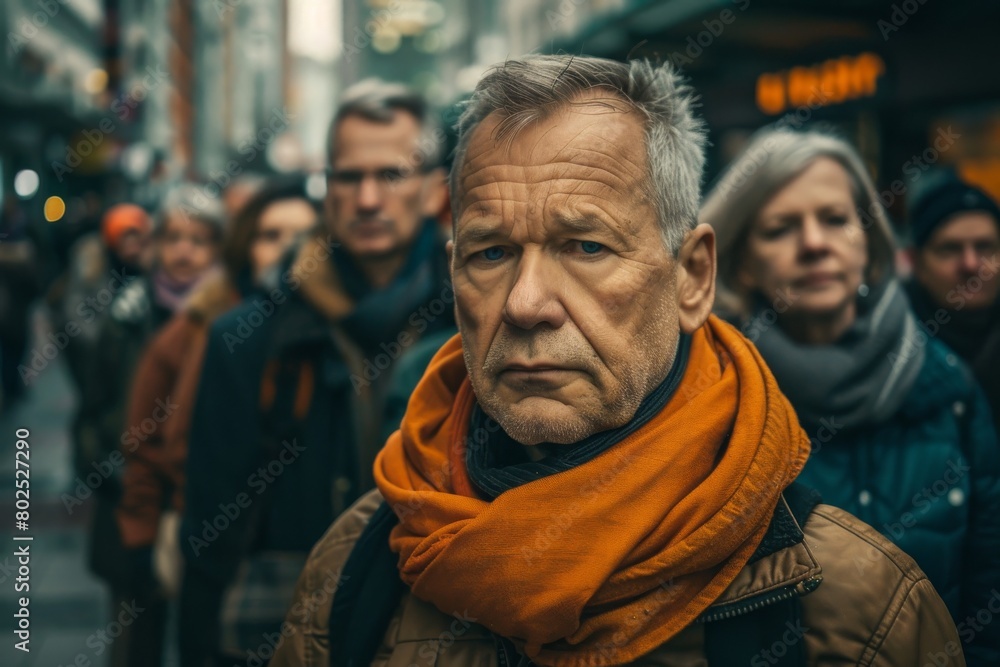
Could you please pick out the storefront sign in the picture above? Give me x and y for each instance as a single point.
(831, 82)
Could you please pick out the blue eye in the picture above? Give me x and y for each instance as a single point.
(493, 253)
(591, 247)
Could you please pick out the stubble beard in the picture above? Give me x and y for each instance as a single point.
(594, 413)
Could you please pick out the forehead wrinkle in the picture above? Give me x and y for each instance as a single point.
(562, 172)
(512, 152)
(593, 216)
(488, 197)
(602, 146)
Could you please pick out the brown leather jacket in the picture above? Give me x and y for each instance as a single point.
(873, 606)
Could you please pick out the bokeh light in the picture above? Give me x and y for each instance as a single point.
(55, 209)
(26, 183)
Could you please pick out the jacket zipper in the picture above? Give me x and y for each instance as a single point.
(753, 604)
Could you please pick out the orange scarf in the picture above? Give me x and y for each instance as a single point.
(603, 563)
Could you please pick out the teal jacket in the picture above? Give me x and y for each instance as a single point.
(929, 480)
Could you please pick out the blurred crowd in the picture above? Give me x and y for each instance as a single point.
(241, 357)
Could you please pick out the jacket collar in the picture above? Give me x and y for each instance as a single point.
(783, 560)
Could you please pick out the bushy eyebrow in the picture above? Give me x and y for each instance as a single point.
(476, 233)
(589, 224)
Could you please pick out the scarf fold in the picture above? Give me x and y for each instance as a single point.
(603, 562)
(172, 294)
(334, 284)
(380, 314)
(861, 379)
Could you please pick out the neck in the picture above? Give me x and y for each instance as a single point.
(536, 452)
(820, 330)
(379, 272)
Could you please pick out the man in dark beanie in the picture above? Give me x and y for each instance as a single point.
(956, 258)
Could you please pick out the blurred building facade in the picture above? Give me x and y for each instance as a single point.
(120, 97)
(905, 81)
(108, 100)
(50, 82)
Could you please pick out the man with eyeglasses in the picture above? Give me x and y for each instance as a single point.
(955, 290)
(290, 409)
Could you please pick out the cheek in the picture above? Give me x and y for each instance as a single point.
(204, 255)
(262, 255)
(340, 208)
(407, 209)
(858, 254)
(473, 308)
(165, 251)
(769, 267)
(478, 322)
(616, 309)
(950, 270)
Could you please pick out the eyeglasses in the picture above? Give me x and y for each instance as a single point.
(386, 178)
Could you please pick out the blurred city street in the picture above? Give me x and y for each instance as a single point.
(223, 276)
(66, 599)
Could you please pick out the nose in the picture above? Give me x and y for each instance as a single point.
(369, 195)
(814, 240)
(970, 259)
(532, 300)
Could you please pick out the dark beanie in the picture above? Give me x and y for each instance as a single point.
(944, 201)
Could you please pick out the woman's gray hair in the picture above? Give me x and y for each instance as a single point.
(529, 89)
(192, 201)
(772, 159)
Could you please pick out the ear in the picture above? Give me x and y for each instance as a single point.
(696, 278)
(435, 193)
(449, 249)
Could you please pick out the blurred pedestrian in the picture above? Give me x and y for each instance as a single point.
(100, 265)
(955, 289)
(20, 279)
(162, 398)
(902, 436)
(185, 246)
(239, 191)
(597, 471)
(288, 415)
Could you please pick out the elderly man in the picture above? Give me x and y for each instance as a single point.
(597, 471)
(288, 415)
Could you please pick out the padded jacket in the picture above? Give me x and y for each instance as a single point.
(863, 602)
(929, 480)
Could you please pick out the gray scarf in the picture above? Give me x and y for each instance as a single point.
(862, 378)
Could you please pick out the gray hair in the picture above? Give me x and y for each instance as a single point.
(772, 159)
(378, 101)
(192, 201)
(529, 89)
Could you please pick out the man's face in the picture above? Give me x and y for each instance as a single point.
(958, 264)
(377, 194)
(186, 248)
(565, 293)
(132, 246)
